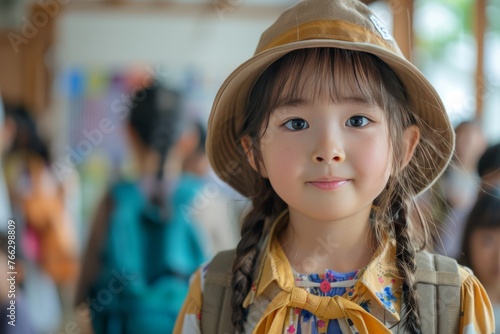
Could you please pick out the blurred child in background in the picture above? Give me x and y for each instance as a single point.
(488, 168)
(142, 249)
(459, 186)
(212, 208)
(10, 290)
(45, 230)
(7, 133)
(481, 246)
(39, 200)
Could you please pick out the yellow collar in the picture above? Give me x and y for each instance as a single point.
(378, 283)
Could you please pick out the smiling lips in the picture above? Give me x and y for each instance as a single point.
(328, 184)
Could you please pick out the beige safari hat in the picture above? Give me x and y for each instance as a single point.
(344, 24)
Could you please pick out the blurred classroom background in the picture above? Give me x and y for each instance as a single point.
(75, 64)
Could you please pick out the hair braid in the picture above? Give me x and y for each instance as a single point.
(406, 264)
(247, 253)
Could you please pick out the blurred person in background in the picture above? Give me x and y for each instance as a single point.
(45, 235)
(39, 200)
(14, 313)
(142, 248)
(458, 187)
(23, 323)
(488, 168)
(212, 207)
(196, 163)
(7, 133)
(481, 246)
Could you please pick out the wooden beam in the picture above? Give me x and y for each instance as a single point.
(26, 60)
(38, 60)
(11, 67)
(218, 8)
(403, 25)
(480, 29)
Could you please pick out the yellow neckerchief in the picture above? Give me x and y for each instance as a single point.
(379, 281)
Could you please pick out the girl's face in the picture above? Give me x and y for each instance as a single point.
(326, 148)
(327, 160)
(485, 255)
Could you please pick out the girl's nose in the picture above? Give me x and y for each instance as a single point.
(329, 150)
(329, 158)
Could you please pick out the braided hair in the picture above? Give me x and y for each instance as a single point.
(340, 73)
(155, 116)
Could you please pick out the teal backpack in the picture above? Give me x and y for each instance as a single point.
(146, 263)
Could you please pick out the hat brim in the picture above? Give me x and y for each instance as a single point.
(228, 110)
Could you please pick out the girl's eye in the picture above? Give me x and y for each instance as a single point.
(296, 124)
(357, 121)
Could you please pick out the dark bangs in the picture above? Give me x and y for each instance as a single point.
(328, 74)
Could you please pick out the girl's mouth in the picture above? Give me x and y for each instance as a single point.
(328, 185)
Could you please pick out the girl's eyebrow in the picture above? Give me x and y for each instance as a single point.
(297, 102)
(354, 99)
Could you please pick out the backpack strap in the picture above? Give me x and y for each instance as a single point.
(438, 287)
(216, 308)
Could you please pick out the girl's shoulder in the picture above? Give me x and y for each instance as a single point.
(475, 307)
(464, 272)
(217, 271)
(468, 280)
(197, 280)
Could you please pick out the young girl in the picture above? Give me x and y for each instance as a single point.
(481, 245)
(331, 133)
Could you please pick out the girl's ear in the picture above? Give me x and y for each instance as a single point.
(411, 138)
(246, 143)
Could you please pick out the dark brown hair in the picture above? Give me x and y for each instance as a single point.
(330, 73)
(156, 117)
(484, 215)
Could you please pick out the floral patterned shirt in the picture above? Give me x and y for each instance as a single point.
(376, 288)
(303, 321)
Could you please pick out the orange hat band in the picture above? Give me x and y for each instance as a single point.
(327, 29)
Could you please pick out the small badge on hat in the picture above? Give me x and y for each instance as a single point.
(380, 27)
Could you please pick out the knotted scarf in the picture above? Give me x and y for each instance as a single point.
(336, 307)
